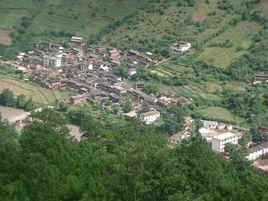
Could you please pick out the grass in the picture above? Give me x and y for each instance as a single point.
(220, 57)
(39, 94)
(4, 37)
(202, 9)
(81, 17)
(219, 113)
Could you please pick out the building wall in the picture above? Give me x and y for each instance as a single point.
(218, 145)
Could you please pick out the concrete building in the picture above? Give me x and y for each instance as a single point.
(178, 137)
(260, 78)
(210, 124)
(150, 117)
(132, 71)
(219, 141)
(78, 99)
(256, 152)
(52, 61)
(181, 47)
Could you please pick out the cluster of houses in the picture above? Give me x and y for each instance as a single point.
(219, 135)
(88, 72)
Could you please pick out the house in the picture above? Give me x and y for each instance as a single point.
(131, 71)
(178, 137)
(260, 78)
(150, 117)
(149, 53)
(140, 85)
(219, 141)
(52, 61)
(210, 124)
(78, 99)
(77, 42)
(181, 47)
(104, 68)
(114, 54)
(85, 66)
(255, 152)
(114, 97)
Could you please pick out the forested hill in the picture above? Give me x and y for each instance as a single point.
(26, 21)
(221, 31)
(125, 161)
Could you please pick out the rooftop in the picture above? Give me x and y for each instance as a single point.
(224, 136)
(257, 148)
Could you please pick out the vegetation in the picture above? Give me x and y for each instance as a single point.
(10, 79)
(7, 98)
(128, 162)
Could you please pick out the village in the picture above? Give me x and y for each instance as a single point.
(88, 72)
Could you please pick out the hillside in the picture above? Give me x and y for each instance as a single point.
(120, 160)
(220, 32)
(229, 44)
(229, 40)
(44, 19)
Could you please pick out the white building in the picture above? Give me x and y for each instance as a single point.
(150, 117)
(181, 47)
(210, 124)
(257, 151)
(132, 71)
(178, 137)
(52, 61)
(219, 141)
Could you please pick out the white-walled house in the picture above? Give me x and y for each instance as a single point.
(219, 141)
(181, 46)
(52, 61)
(132, 71)
(210, 124)
(150, 117)
(255, 152)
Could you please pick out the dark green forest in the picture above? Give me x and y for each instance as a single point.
(129, 161)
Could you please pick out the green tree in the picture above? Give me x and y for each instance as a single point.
(21, 101)
(7, 98)
(127, 106)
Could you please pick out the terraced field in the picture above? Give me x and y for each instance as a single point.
(39, 94)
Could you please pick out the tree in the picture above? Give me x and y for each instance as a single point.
(90, 126)
(21, 101)
(150, 89)
(127, 106)
(7, 98)
(145, 107)
(229, 148)
(30, 105)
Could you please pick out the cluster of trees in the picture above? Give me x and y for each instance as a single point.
(225, 5)
(244, 104)
(7, 98)
(126, 162)
(172, 120)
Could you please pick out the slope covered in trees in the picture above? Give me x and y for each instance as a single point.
(124, 163)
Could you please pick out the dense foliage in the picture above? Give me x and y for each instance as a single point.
(7, 98)
(129, 162)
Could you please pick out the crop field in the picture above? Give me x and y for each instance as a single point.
(39, 94)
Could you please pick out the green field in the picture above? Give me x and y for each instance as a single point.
(40, 95)
(219, 113)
